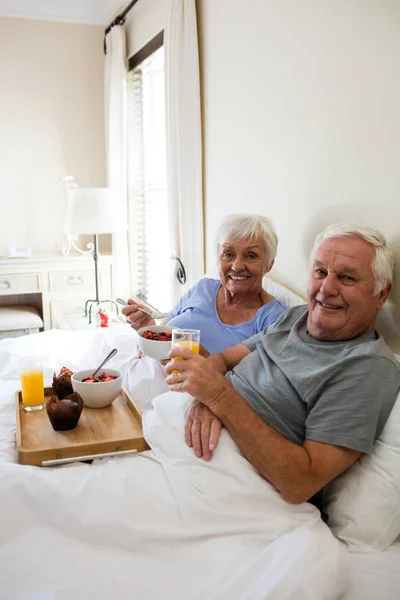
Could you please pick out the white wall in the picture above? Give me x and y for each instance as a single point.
(301, 116)
(51, 124)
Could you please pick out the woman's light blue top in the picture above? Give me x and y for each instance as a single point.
(197, 309)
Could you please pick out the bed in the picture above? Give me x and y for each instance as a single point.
(161, 524)
(375, 575)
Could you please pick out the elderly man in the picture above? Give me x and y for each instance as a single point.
(307, 396)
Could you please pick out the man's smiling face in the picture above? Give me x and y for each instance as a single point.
(341, 303)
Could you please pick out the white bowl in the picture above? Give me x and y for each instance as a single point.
(97, 395)
(154, 348)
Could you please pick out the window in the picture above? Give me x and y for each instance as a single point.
(149, 230)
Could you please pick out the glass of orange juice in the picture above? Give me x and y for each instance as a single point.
(186, 338)
(32, 386)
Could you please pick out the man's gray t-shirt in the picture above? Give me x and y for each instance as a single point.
(339, 393)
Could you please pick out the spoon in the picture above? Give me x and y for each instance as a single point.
(156, 314)
(107, 358)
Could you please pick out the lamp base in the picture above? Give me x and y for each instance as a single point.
(72, 243)
(89, 305)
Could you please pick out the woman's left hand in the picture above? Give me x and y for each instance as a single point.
(195, 375)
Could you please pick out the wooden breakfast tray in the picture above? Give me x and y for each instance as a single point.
(116, 429)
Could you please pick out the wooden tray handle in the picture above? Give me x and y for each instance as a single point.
(64, 461)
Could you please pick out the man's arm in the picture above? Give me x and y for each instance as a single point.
(228, 359)
(298, 472)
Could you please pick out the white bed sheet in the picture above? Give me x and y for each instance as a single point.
(375, 576)
(162, 524)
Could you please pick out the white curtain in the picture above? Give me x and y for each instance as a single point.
(184, 147)
(116, 143)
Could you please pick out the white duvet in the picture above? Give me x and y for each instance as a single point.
(159, 525)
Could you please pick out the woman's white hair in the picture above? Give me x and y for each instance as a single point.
(240, 227)
(382, 265)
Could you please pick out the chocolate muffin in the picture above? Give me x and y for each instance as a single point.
(64, 413)
(62, 383)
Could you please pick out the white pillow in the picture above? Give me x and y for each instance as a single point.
(277, 290)
(363, 504)
(282, 293)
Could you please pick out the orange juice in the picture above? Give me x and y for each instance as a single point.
(193, 345)
(186, 338)
(32, 387)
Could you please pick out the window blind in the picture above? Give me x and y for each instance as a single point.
(149, 237)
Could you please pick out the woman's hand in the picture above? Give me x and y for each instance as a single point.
(195, 375)
(202, 430)
(135, 317)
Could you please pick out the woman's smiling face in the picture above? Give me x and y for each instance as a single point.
(242, 265)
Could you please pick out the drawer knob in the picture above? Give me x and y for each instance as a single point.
(5, 284)
(75, 280)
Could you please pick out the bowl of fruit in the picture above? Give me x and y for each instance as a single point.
(155, 341)
(99, 391)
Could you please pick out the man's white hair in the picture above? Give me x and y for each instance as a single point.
(382, 265)
(245, 226)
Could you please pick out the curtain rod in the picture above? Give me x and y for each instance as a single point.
(119, 20)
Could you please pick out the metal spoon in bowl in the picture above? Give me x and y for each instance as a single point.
(107, 358)
(156, 314)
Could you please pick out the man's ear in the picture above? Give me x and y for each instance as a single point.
(383, 296)
(269, 267)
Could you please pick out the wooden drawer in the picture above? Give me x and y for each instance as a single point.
(79, 281)
(21, 283)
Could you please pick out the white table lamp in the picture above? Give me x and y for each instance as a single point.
(93, 211)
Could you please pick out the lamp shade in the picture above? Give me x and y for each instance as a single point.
(93, 211)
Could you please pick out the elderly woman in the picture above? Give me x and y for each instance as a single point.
(236, 307)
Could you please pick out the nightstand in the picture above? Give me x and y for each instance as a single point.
(44, 282)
